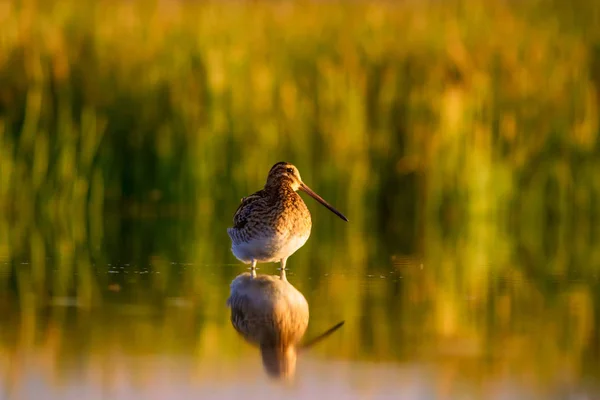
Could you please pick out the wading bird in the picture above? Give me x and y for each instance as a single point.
(271, 224)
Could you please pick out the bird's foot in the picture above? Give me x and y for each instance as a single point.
(253, 270)
(282, 275)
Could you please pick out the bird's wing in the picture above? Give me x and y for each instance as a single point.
(240, 218)
(238, 319)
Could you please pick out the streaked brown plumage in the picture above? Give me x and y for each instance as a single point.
(271, 224)
(271, 313)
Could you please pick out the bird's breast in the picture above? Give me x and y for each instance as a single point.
(294, 217)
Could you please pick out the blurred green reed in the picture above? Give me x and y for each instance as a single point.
(463, 131)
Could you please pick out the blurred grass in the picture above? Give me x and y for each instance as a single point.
(462, 132)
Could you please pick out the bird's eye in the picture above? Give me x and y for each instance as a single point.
(290, 170)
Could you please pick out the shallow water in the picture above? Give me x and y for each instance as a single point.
(461, 318)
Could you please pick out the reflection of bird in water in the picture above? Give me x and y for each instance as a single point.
(271, 224)
(271, 313)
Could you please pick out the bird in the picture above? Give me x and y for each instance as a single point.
(271, 313)
(273, 223)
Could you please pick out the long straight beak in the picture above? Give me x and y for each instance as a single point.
(318, 198)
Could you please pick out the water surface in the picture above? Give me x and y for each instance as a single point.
(460, 318)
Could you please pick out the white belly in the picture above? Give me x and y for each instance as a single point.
(269, 249)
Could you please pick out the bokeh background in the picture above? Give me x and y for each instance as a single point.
(460, 137)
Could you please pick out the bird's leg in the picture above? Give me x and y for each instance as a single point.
(253, 269)
(282, 270)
